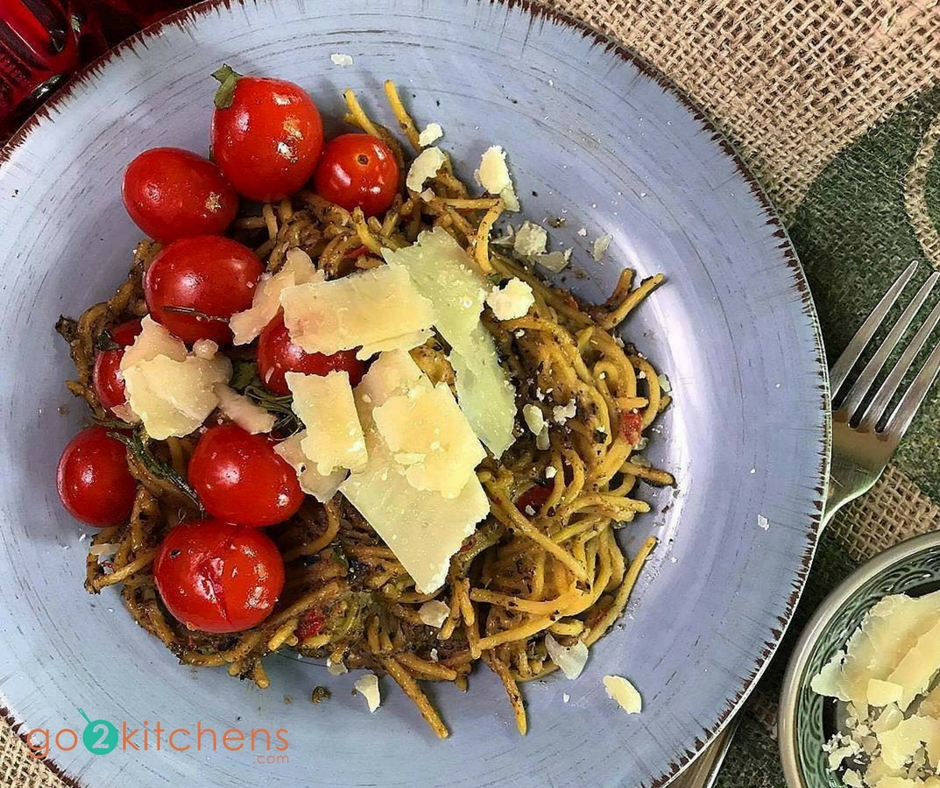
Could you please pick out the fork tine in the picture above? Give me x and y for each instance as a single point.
(879, 404)
(842, 367)
(865, 380)
(907, 408)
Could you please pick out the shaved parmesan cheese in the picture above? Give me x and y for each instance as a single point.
(916, 671)
(336, 668)
(391, 374)
(626, 695)
(424, 167)
(152, 341)
(434, 613)
(368, 687)
(512, 301)
(530, 240)
(321, 487)
(298, 270)
(245, 413)
(569, 659)
(205, 348)
(443, 273)
(542, 440)
(891, 660)
(888, 634)
(374, 310)
(169, 390)
(899, 744)
(534, 418)
(600, 246)
(430, 436)
(421, 527)
(554, 262)
(493, 175)
(173, 398)
(561, 413)
(432, 133)
(881, 693)
(326, 406)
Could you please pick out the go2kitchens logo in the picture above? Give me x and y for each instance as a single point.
(101, 737)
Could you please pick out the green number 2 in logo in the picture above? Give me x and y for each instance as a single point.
(99, 736)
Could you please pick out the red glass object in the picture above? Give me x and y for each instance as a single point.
(39, 46)
(143, 12)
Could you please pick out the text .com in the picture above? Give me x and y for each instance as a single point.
(101, 737)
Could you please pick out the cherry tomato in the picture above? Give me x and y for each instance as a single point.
(535, 496)
(277, 355)
(266, 135)
(358, 171)
(106, 375)
(631, 427)
(93, 481)
(240, 479)
(194, 285)
(171, 193)
(218, 577)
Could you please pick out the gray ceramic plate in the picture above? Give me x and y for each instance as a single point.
(594, 136)
(807, 719)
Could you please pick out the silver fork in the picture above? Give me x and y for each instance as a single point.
(861, 444)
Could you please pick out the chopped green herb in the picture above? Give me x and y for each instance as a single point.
(139, 449)
(185, 310)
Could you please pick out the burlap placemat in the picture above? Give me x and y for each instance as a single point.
(831, 104)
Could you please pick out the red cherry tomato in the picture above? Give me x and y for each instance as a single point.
(106, 375)
(218, 577)
(535, 496)
(266, 135)
(171, 193)
(277, 355)
(93, 481)
(358, 171)
(240, 479)
(194, 285)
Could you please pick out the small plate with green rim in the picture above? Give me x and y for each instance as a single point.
(807, 720)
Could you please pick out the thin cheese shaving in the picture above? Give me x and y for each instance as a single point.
(325, 405)
(626, 695)
(374, 310)
(241, 410)
(321, 487)
(425, 166)
(368, 687)
(298, 270)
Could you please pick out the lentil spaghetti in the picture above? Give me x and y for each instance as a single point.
(545, 561)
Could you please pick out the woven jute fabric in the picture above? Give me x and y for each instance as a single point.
(830, 103)
(791, 81)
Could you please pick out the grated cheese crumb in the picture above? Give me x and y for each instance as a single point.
(551, 472)
(341, 59)
(530, 240)
(600, 246)
(534, 418)
(434, 613)
(424, 167)
(513, 300)
(763, 522)
(368, 687)
(432, 132)
(561, 413)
